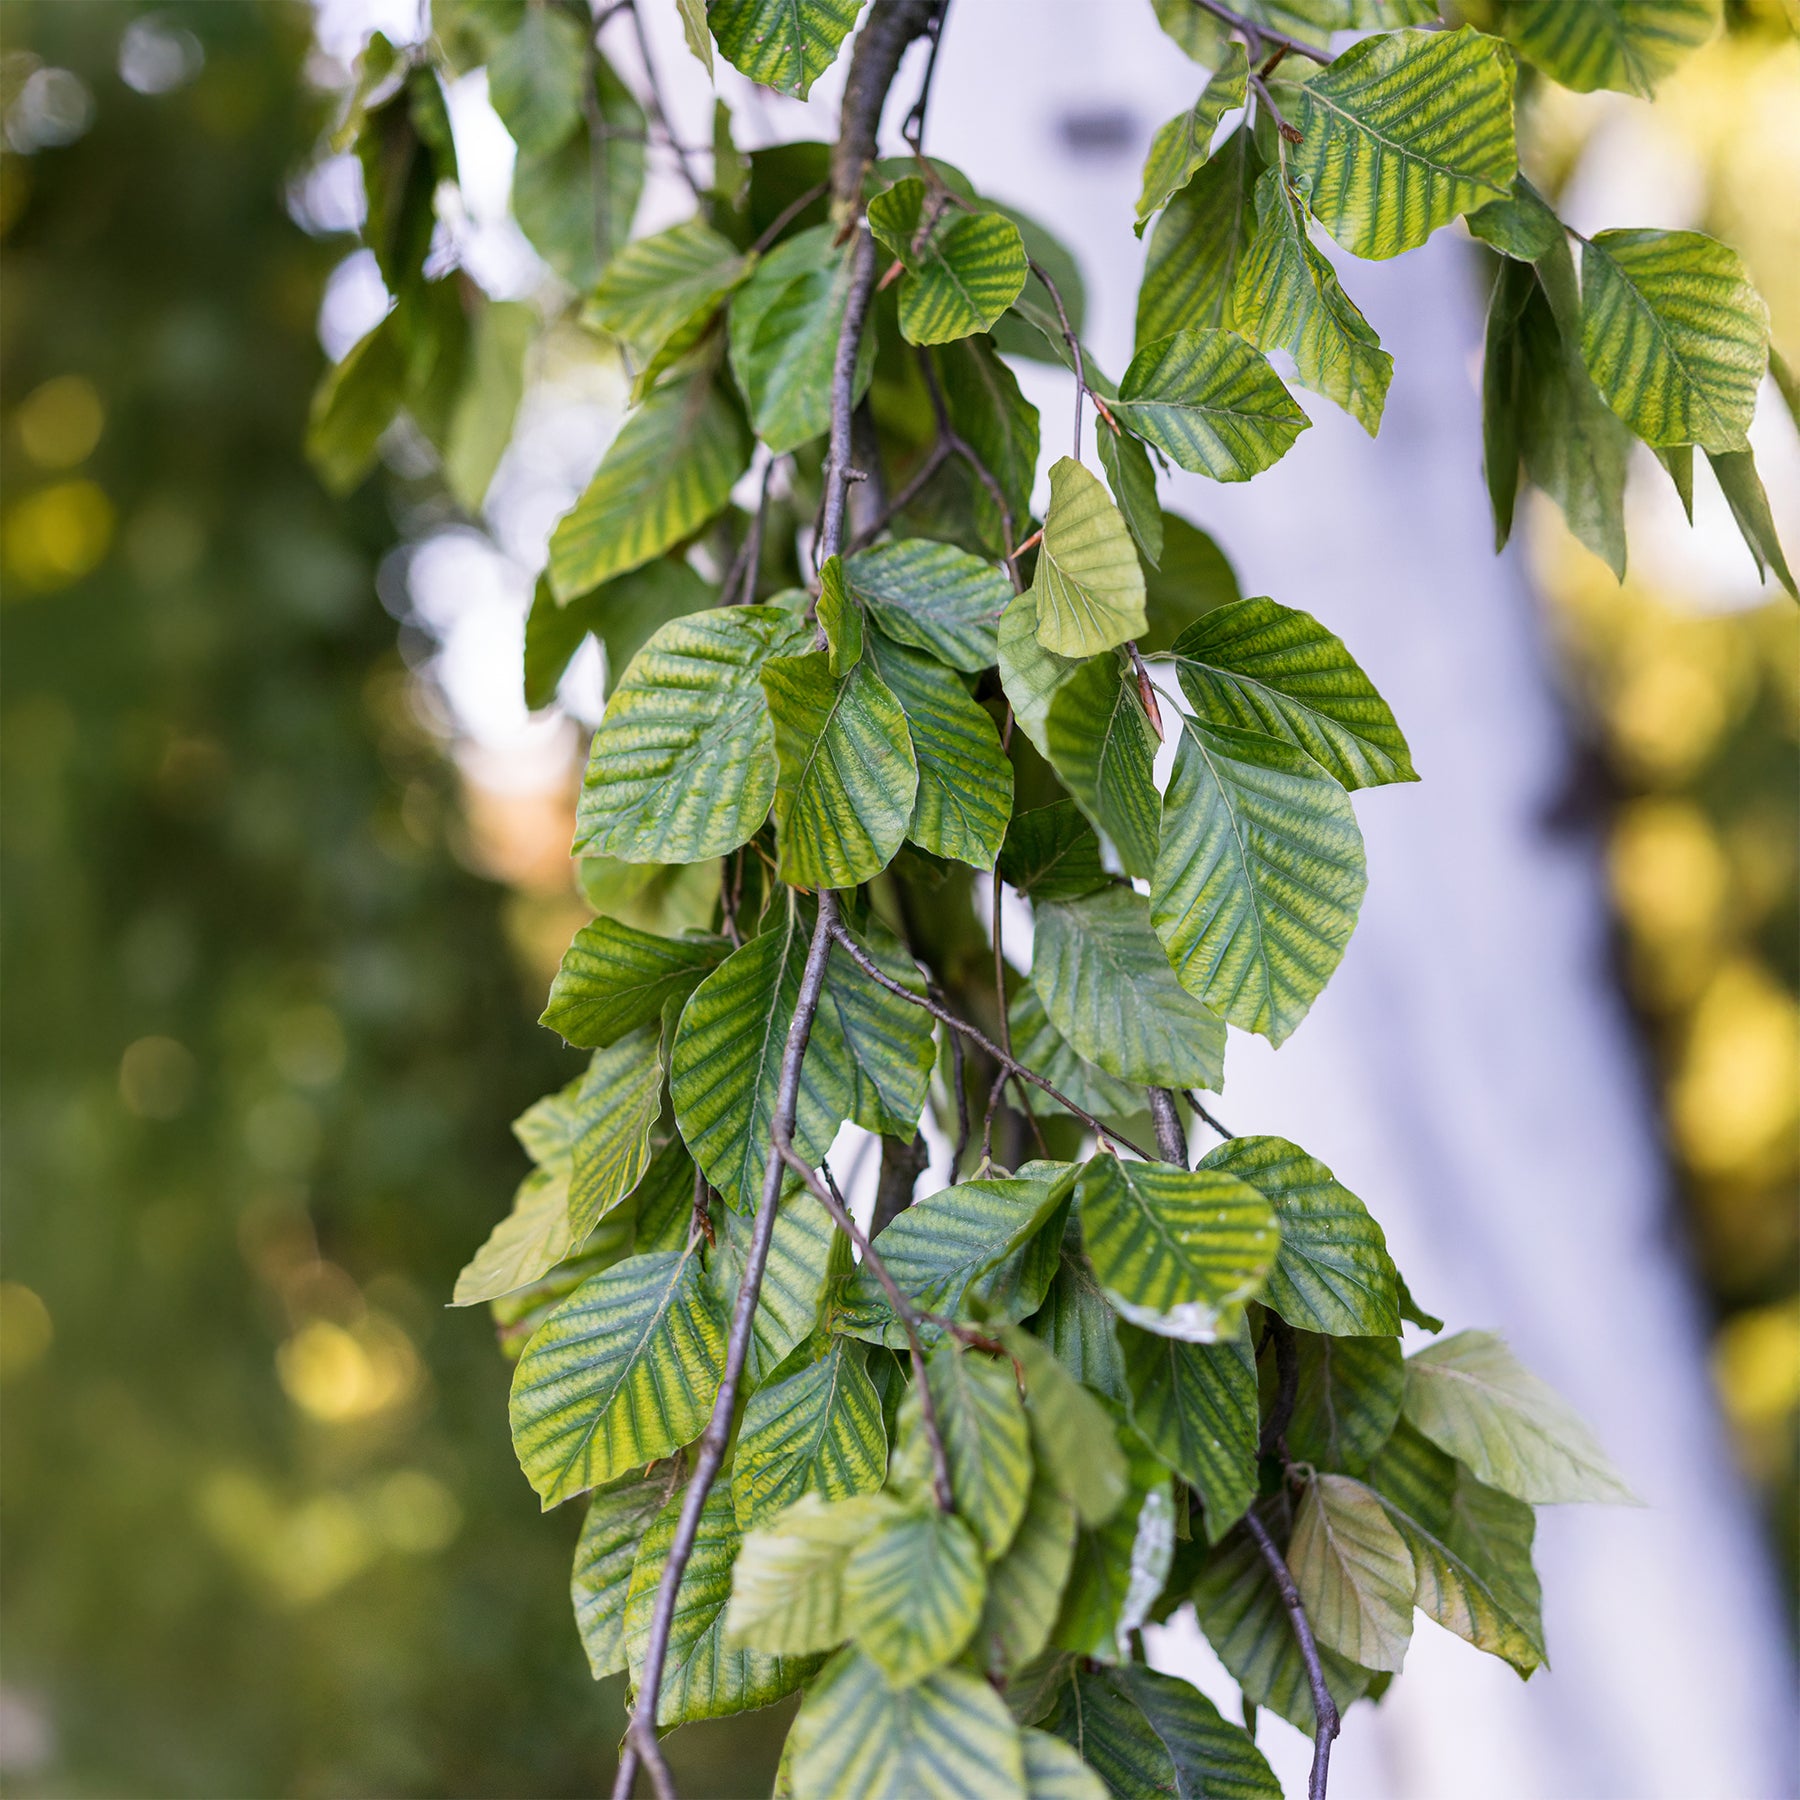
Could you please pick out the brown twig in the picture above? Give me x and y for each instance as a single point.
(1205, 1117)
(1325, 1712)
(640, 1736)
(787, 216)
(1074, 343)
(1289, 133)
(913, 127)
(1107, 1136)
(1287, 1388)
(826, 1193)
(1256, 36)
(659, 113)
(739, 587)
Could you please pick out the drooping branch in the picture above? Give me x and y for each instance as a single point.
(1009, 1066)
(1205, 1117)
(640, 1737)
(827, 1195)
(1325, 1712)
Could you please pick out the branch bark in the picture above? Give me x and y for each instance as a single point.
(640, 1736)
(1008, 1065)
(1171, 1140)
(1325, 1711)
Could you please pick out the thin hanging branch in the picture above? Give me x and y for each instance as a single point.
(1257, 38)
(1008, 1065)
(890, 26)
(1205, 1117)
(640, 1735)
(656, 108)
(1325, 1711)
(1074, 344)
(827, 1195)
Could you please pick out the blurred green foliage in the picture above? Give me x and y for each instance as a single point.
(261, 1039)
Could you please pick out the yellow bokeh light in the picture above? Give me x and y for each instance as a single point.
(58, 535)
(1756, 1359)
(1734, 1104)
(25, 1329)
(340, 1375)
(156, 1078)
(60, 422)
(1669, 873)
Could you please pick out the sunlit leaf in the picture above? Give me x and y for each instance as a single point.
(614, 978)
(1626, 44)
(683, 765)
(623, 1372)
(913, 1591)
(1088, 587)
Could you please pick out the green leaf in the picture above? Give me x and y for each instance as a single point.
(1120, 1567)
(965, 782)
(1472, 1397)
(1088, 586)
(1079, 1328)
(1029, 674)
(1625, 44)
(665, 475)
(1182, 145)
(535, 80)
(1025, 1587)
(1100, 742)
(990, 413)
(576, 200)
(1151, 1735)
(1193, 578)
(840, 619)
(1289, 298)
(783, 44)
(818, 1432)
(1190, 274)
(699, 39)
(848, 776)
(949, 1737)
(614, 978)
(1403, 132)
(482, 422)
(355, 403)
(889, 1039)
(963, 269)
(617, 1518)
(1334, 1273)
(531, 1240)
(941, 1247)
(1259, 876)
(682, 767)
(787, 1586)
(1539, 406)
(1346, 1401)
(659, 293)
(1051, 853)
(1245, 1622)
(1354, 1573)
(621, 613)
(623, 1372)
(913, 1591)
(1195, 1406)
(1736, 470)
(986, 1440)
(1674, 335)
(702, 1678)
(785, 324)
(1274, 669)
(1471, 1549)
(1177, 1251)
(1108, 988)
(932, 597)
(1133, 484)
(726, 1063)
(1208, 400)
(1076, 1447)
(616, 1104)
(794, 1281)
(1054, 1772)
(657, 897)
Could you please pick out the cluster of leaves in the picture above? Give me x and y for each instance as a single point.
(965, 1461)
